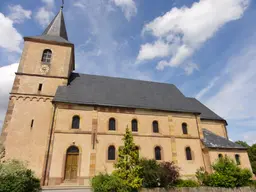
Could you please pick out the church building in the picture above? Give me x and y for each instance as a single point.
(68, 126)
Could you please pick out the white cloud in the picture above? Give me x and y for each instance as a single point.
(190, 68)
(10, 38)
(207, 88)
(18, 14)
(7, 74)
(49, 3)
(45, 13)
(128, 7)
(236, 97)
(151, 51)
(186, 29)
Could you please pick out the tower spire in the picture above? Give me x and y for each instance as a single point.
(56, 30)
(62, 6)
(57, 27)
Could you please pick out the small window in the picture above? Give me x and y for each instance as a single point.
(185, 128)
(76, 122)
(155, 127)
(47, 56)
(111, 153)
(112, 124)
(158, 153)
(188, 154)
(220, 156)
(32, 123)
(238, 162)
(134, 125)
(40, 87)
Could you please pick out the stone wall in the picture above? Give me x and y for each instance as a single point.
(201, 189)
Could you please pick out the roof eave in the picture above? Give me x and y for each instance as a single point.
(48, 41)
(122, 106)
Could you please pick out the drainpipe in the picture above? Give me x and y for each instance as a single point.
(49, 146)
(200, 142)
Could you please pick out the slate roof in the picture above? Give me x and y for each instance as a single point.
(214, 141)
(121, 92)
(56, 30)
(206, 113)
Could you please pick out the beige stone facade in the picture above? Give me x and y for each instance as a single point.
(39, 131)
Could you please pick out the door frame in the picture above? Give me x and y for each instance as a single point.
(78, 164)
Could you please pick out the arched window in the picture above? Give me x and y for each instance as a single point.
(112, 124)
(188, 153)
(237, 159)
(158, 153)
(47, 56)
(134, 125)
(185, 128)
(73, 150)
(220, 156)
(71, 167)
(155, 127)
(111, 152)
(76, 122)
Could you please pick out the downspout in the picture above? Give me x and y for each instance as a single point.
(200, 143)
(49, 146)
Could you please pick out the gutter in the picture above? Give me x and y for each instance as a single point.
(49, 146)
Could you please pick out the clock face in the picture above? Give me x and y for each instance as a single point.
(44, 69)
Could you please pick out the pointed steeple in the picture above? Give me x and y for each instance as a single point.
(57, 27)
(56, 30)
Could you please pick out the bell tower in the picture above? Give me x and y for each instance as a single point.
(47, 60)
(46, 63)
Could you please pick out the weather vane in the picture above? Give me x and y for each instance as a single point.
(62, 4)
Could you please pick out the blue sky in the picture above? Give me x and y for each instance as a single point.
(207, 48)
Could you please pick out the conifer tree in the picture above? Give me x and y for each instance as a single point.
(127, 166)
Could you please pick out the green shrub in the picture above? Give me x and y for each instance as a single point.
(156, 174)
(226, 174)
(186, 183)
(150, 173)
(108, 183)
(169, 174)
(15, 177)
(201, 176)
(253, 184)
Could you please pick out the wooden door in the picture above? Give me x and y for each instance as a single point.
(71, 166)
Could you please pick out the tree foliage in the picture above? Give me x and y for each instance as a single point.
(15, 177)
(150, 173)
(251, 153)
(186, 183)
(226, 174)
(108, 183)
(155, 174)
(2, 150)
(127, 166)
(169, 174)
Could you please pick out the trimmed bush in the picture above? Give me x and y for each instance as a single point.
(15, 177)
(186, 183)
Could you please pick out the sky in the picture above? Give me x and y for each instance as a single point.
(207, 48)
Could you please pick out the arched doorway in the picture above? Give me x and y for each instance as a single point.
(71, 166)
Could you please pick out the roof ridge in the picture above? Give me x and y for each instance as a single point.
(125, 78)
